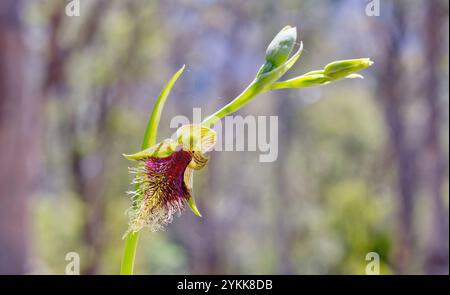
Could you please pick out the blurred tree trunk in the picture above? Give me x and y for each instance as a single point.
(88, 170)
(19, 132)
(420, 160)
(393, 97)
(89, 183)
(87, 167)
(434, 164)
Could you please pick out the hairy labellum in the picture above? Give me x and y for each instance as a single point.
(163, 180)
(161, 191)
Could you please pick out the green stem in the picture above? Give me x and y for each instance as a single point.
(250, 92)
(129, 253)
(151, 131)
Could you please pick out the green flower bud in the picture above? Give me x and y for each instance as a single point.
(343, 68)
(280, 48)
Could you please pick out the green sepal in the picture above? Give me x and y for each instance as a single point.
(152, 125)
(161, 150)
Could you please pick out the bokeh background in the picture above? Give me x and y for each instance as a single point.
(362, 165)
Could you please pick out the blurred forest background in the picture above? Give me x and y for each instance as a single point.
(362, 165)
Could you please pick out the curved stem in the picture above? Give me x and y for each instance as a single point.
(251, 91)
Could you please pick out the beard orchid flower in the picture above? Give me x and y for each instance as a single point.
(164, 177)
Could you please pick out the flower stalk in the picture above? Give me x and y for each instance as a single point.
(277, 64)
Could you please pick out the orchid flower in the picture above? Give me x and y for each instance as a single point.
(163, 178)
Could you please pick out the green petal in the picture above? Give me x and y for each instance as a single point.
(189, 181)
(193, 206)
(196, 138)
(199, 160)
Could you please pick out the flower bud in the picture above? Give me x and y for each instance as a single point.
(343, 68)
(281, 47)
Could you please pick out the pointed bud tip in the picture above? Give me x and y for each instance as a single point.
(288, 27)
(367, 61)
